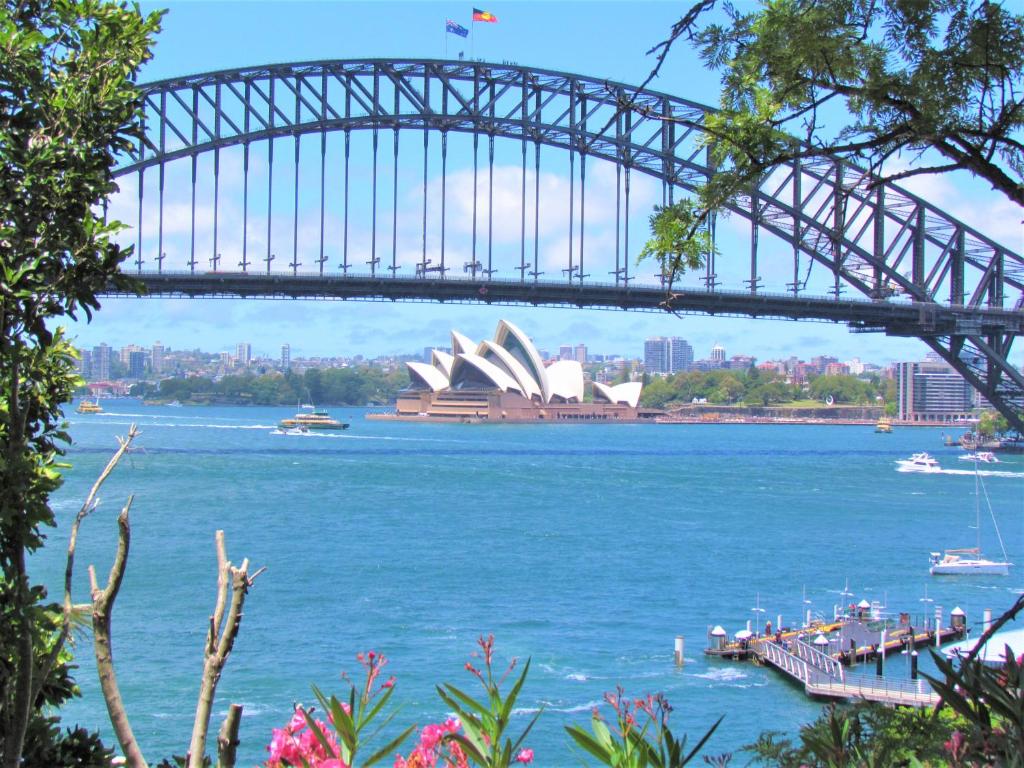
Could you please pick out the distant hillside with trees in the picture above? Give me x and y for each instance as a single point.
(364, 385)
(755, 387)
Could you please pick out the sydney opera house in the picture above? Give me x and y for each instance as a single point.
(506, 380)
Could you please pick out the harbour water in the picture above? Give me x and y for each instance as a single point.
(586, 548)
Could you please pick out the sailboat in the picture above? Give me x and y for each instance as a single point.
(970, 561)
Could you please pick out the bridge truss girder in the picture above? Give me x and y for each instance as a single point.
(877, 241)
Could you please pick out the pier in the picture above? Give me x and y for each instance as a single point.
(821, 657)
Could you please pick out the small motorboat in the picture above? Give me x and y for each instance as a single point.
(984, 457)
(919, 462)
(296, 430)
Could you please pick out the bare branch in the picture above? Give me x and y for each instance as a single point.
(87, 508)
(227, 740)
(220, 640)
(102, 608)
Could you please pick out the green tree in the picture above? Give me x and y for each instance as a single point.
(992, 424)
(842, 389)
(68, 106)
(865, 80)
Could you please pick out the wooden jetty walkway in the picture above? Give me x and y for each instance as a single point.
(822, 675)
(824, 666)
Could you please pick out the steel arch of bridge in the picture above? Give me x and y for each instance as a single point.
(880, 242)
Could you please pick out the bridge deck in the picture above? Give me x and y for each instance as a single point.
(893, 317)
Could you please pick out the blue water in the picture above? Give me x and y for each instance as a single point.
(586, 548)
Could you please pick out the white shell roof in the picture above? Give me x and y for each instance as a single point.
(565, 377)
(442, 361)
(533, 363)
(493, 373)
(428, 375)
(627, 393)
(462, 343)
(527, 384)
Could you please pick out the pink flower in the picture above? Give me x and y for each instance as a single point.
(525, 756)
(298, 721)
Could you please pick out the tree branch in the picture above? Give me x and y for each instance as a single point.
(227, 740)
(102, 608)
(220, 639)
(87, 508)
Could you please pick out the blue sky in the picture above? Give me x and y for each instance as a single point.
(607, 40)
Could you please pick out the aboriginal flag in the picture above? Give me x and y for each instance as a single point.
(455, 28)
(487, 16)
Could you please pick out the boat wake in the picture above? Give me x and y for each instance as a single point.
(153, 425)
(550, 707)
(965, 472)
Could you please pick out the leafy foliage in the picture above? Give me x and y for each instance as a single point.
(640, 735)
(68, 106)
(990, 700)
(903, 87)
(485, 722)
(862, 734)
(678, 242)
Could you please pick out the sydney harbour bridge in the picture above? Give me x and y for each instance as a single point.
(366, 149)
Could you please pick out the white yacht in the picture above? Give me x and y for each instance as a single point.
(919, 462)
(970, 561)
(985, 457)
(966, 562)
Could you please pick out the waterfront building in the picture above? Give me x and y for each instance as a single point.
(740, 362)
(157, 357)
(821, 362)
(126, 354)
(101, 362)
(656, 355)
(717, 356)
(504, 379)
(243, 354)
(837, 369)
(83, 366)
(137, 364)
(932, 391)
(667, 355)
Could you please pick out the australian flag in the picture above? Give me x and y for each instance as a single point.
(455, 28)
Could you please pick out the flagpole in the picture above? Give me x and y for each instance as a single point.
(472, 40)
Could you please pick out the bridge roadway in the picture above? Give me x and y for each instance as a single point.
(893, 316)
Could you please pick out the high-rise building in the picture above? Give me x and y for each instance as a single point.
(157, 357)
(565, 352)
(580, 354)
(932, 391)
(286, 357)
(243, 354)
(680, 355)
(667, 355)
(137, 364)
(84, 364)
(126, 353)
(656, 359)
(101, 362)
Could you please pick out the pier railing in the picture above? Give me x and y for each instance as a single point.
(822, 675)
(817, 659)
(873, 688)
(791, 664)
